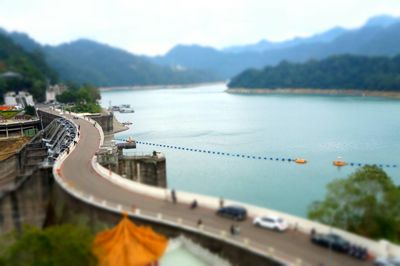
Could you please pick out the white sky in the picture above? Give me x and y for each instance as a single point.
(154, 26)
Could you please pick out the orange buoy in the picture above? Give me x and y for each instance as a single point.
(339, 163)
(300, 161)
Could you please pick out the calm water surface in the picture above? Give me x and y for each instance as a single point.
(318, 128)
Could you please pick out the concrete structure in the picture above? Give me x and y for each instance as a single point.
(23, 163)
(84, 186)
(21, 99)
(27, 201)
(105, 120)
(54, 90)
(15, 128)
(26, 178)
(149, 169)
(144, 168)
(109, 191)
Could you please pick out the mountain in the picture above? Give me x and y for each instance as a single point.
(382, 21)
(23, 40)
(86, 61)
(102, 65)
(379, 36)
(201, 57)
(22, 70)
(265, 45)
(337, 72)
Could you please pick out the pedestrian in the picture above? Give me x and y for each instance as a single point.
(79, 127)
(221, 202)
(173, 196)
(199, 223)
(237, 230)
(94, 124)
(232, 229)
(194, 204)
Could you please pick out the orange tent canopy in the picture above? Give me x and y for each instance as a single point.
(6, 108)
(128, 245)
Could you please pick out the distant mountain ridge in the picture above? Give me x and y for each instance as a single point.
(379, 36)
(86, 61)
(326, 36)
(265, 45)
(103, 65)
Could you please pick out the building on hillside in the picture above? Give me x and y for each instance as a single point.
(53, 91)
(10, 74)
(20, 99)
(10, 98)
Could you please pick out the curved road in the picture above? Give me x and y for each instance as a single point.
(77, 169)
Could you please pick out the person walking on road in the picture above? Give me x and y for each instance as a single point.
(232, 229)
(193, 205)
(235, 230)
(173, 196)
(199, 223)
(221, 202)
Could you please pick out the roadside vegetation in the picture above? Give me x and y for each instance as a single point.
(54, 246)
(365, 203)
(84, 99)
(8, 114)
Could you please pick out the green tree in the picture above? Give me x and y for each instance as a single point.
(58, 246)
(30, 110)
(336, 72)
(366, 203)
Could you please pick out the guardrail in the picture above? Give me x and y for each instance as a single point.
(180, 223)
(381, 248)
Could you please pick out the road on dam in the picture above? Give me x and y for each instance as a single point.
(77, 169)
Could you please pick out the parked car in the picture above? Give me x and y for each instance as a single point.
(271, 222)
(233, 212)
(332, 241)
(381, 261)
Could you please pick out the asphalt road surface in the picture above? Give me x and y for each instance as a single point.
(78, 170)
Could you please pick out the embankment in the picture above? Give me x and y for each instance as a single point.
(304, 91)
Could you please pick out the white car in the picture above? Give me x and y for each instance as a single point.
(271, 222)
(381, 261)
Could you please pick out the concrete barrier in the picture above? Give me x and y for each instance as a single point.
(378, 248)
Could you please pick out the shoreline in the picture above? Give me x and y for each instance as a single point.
(158, 87)
(387, 94)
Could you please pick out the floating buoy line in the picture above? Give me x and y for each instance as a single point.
(337, 163)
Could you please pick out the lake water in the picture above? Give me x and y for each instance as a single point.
(317, 128)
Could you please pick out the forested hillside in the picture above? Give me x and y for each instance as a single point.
(336, 72)
(85, 61)
(32, 67)
(102, 65)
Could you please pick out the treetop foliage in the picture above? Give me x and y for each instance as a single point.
(30, 65)
(366, 203)
(54, 246)
(337, 72)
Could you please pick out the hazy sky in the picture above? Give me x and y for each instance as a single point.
(155, 26)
